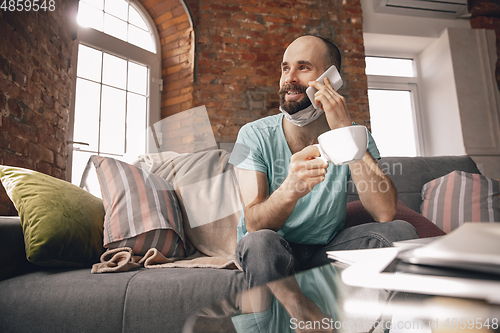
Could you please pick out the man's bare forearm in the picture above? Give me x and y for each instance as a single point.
(376, 191)
(264, 211)
(271, 213)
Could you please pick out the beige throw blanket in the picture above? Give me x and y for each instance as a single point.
(206, 187)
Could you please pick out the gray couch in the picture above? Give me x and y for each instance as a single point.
(37, 299)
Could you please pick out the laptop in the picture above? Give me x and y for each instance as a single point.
(465, 263)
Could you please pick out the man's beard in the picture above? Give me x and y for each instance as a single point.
(293, 107)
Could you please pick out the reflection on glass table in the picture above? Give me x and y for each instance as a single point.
(317, 300)
(305, 301)
(309, 301)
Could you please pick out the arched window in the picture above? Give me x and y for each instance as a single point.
(117, 84)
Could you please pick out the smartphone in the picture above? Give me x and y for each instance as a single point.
(333, 75)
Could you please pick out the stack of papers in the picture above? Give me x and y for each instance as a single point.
(351, 257)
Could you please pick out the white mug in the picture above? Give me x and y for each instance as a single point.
(343, 145)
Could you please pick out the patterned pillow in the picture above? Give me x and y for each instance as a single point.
(142, 211)
(460, 197)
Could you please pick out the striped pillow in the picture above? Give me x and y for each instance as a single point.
(461, 197)
(142, 211)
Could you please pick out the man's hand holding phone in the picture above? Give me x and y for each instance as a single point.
(333, 76)
(326, 97)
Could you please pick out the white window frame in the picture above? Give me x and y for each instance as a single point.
(382, 82)
(112, 45)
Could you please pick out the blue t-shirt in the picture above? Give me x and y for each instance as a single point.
(317, 216)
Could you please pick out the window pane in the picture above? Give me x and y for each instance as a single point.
(136, 124)
(118, 8)
(137, 78)
(389, 66)
(89, 16)
(89, 63)
(115, 71)
(88, 95)
(112, 138)
(136, 19)
(140, 38)
(391, 116)
(115, 27)
(117, 18)
(99, 4)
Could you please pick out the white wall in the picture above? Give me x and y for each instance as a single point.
(474, 57)
(425, 40)
(458, 96)
(391, 24)
(440, 114)
(476, 87)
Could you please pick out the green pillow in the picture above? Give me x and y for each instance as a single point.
(62, 223)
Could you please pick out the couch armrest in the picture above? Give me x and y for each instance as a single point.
(13, 256)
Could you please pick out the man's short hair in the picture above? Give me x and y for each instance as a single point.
(332, 56)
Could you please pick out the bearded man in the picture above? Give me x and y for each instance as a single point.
(294, 203)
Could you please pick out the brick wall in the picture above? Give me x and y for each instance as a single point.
(175, 29)
(486, 15)
(177, 53)
(226, 58)
(35, 90)
(240, 44)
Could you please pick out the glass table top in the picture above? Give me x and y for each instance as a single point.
(317, 300)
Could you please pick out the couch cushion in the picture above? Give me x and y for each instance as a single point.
(357, 214)
(145, 300)
(64, 300)
(142, 211)
(460, 197)
(62, 224)
(12, 247)
(177, 293)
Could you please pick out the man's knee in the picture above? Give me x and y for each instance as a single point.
(261, 245)
(264, 256)
(260, 238)
(405, 230)
(397, 230)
